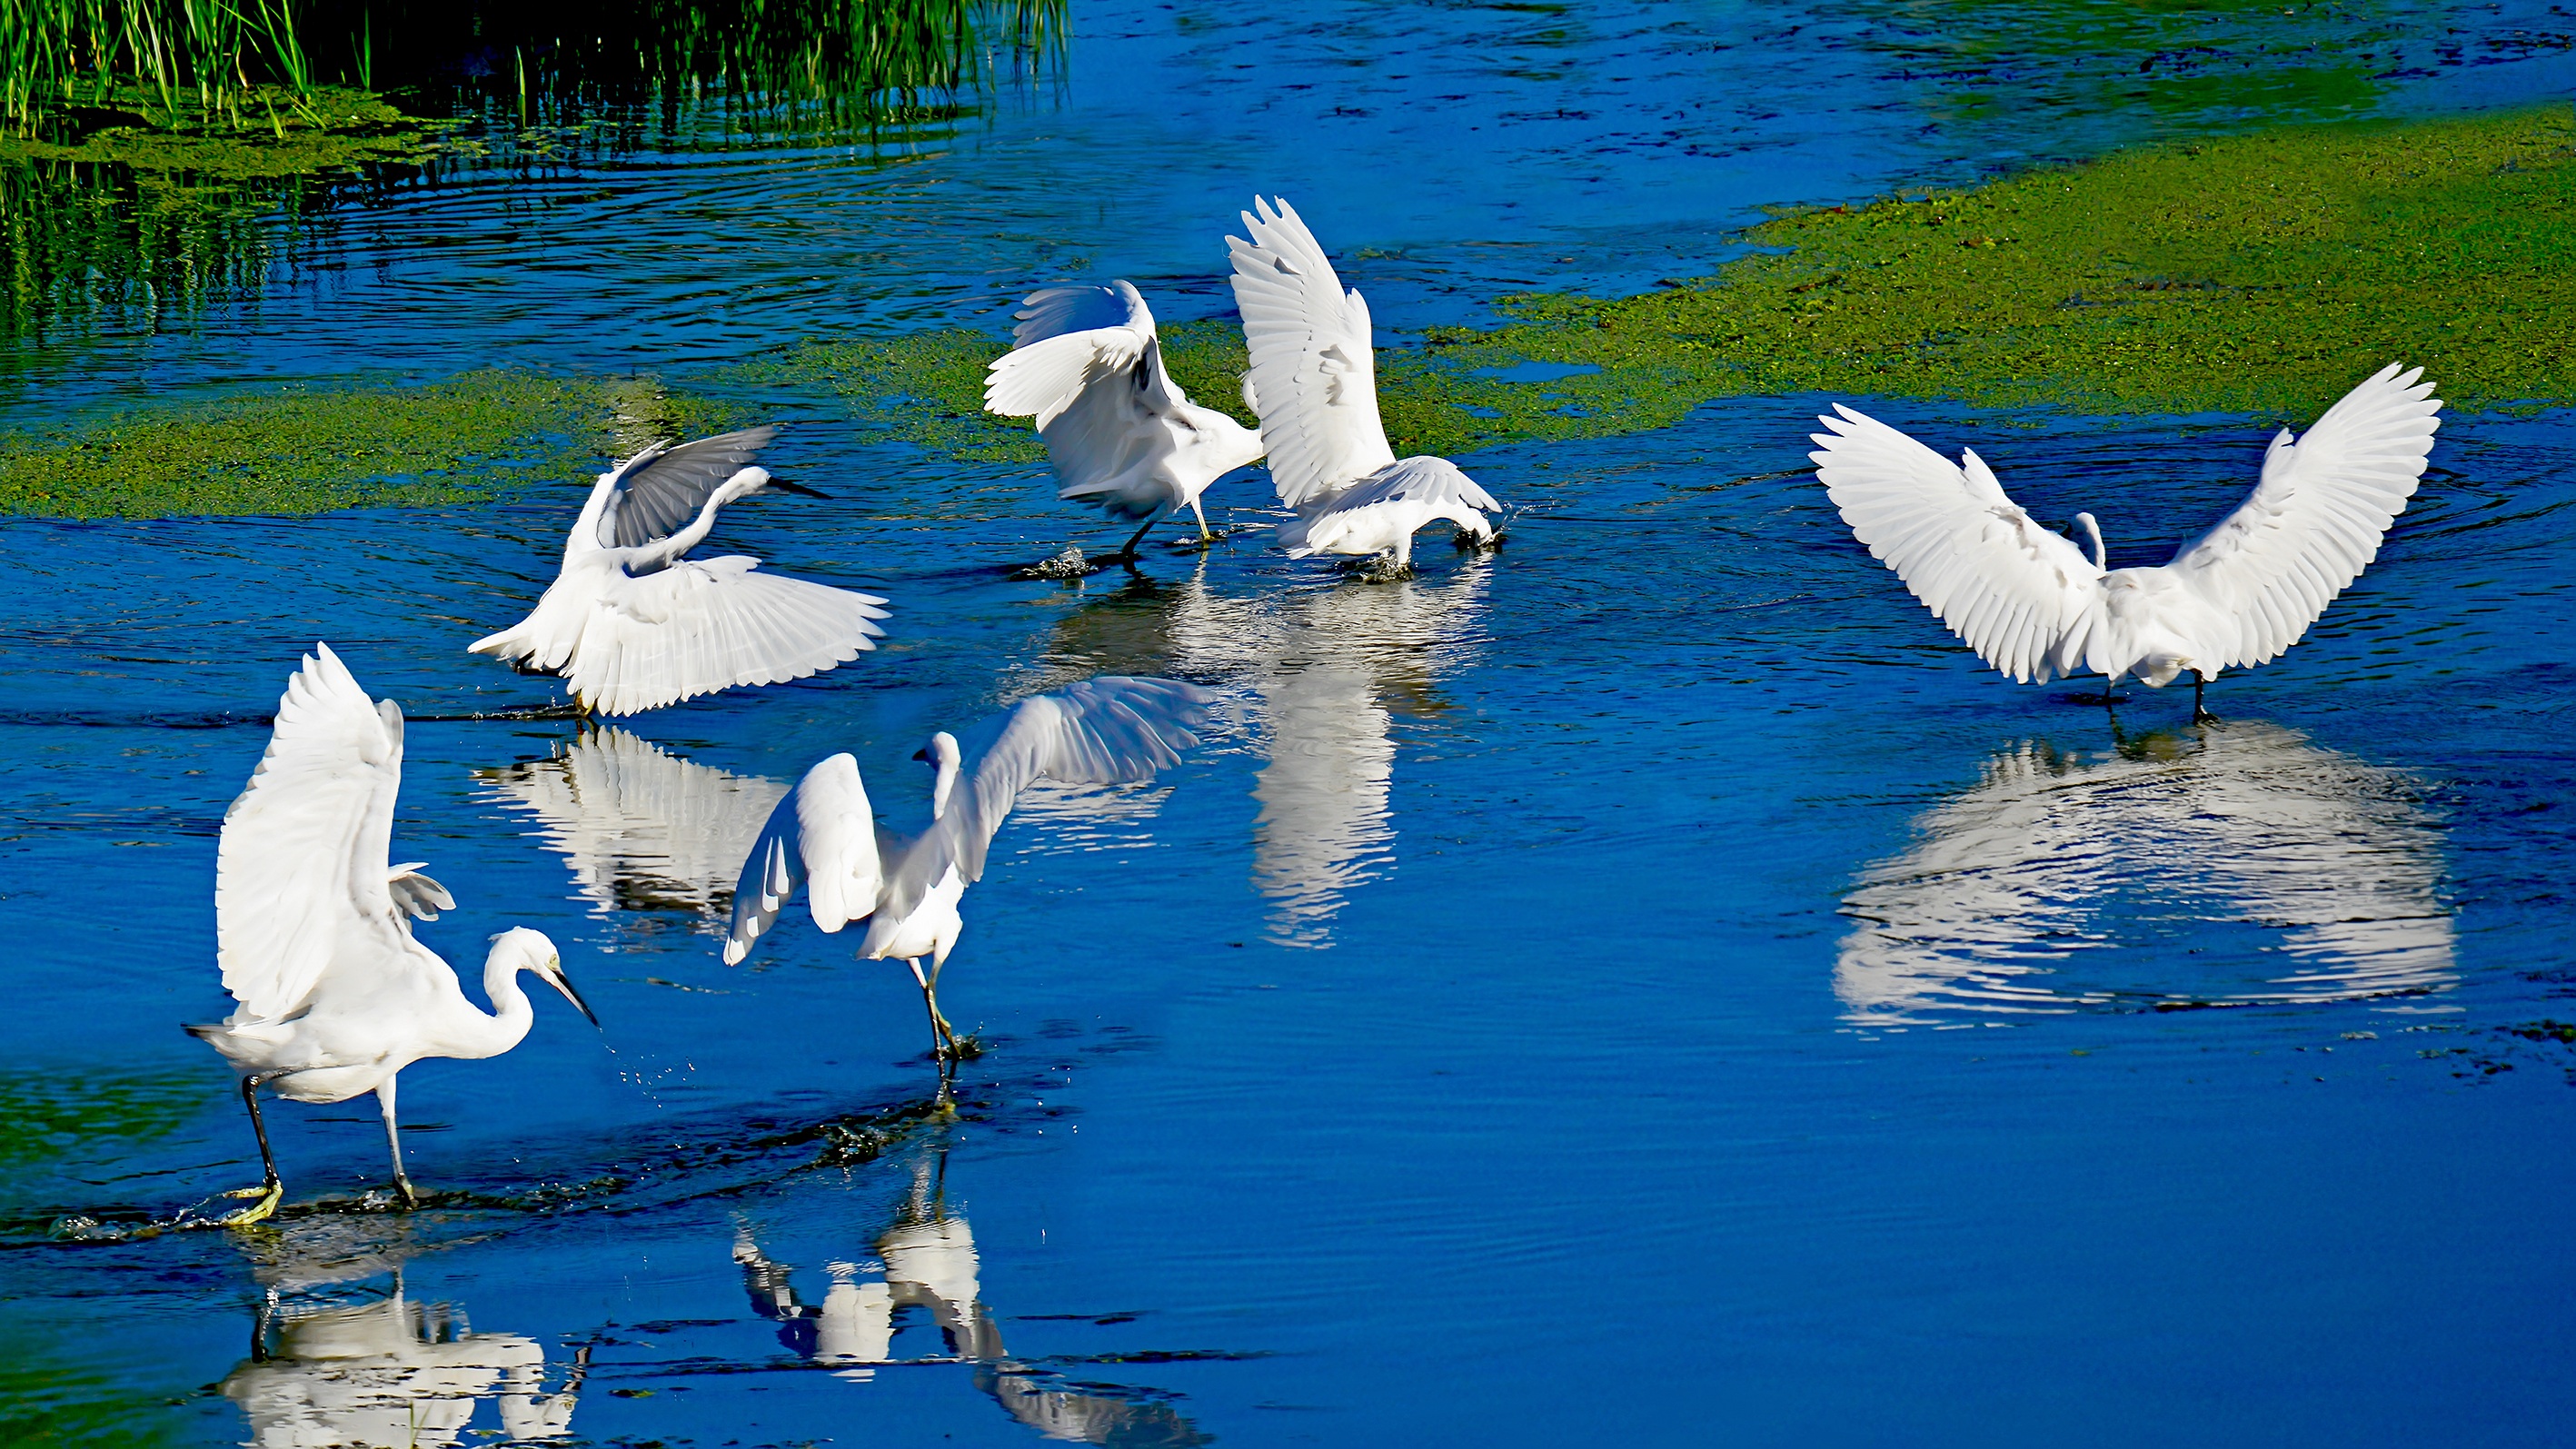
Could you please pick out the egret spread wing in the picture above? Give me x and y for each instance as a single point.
(1107, 731)
(822, 835)
(1314, 373)
(305, 849)
(1432, 484)
(2315, 521)
(2022, 597)
(1055, 311)
(704, 625)
(661, 488)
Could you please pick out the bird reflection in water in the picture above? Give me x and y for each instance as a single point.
(334, 1362)
(925, 1264)
(1320, 673)
(2020, 891)
(640, 827)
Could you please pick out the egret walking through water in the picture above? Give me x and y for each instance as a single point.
(1314, 382)
(313, 925)
(2033, 606)
(1105, 731)
(1086, 363)
(633, 624)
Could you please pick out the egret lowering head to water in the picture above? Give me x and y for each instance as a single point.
(1105, 731)
(1121, 434)
(2033, 606)
(632, 624)
(1314, 383)
(313, 924)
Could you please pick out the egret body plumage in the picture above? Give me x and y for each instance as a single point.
(2034, 606)
(1086, 363)
(1314, 383)
(633, 624)
(824, 835)
(313, 924)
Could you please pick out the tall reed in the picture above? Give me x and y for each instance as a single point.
(225, 63)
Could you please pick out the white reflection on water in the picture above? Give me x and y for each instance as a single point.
(1318, 675)
(385, 1371)
(641, 828)
(925, 1262)
(2019, 891)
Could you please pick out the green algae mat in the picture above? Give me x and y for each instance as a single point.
(2256, 274)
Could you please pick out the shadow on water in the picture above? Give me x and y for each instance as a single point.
(640, 828)
(2021, 892)
(338, 1357)
(922, 1264)
(1317, 675)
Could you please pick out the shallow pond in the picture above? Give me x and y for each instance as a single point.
(1648, 986)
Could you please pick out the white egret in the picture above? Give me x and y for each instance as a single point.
(1087, 365)
(313, 924)
(1314, 383)
(824, 836)
(2033, 606)
(633, 624)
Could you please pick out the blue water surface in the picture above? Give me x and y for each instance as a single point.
(1648, 985)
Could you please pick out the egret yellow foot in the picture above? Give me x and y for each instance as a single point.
(269, 1195)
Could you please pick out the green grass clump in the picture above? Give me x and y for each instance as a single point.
(303, 450)
(2264, 273)
(291, 133)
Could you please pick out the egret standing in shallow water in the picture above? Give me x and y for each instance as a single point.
(1314, 383)
(1087, 365)
(1105, 731)
(2033, 606)
(313, 925)
(633, 624)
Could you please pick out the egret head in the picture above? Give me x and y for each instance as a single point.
(521, 949)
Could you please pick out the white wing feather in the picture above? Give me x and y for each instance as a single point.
(822, 835)
(1106, 731)
(2021, 596)
(1435, 486)
(2316, 519)
(1314, 368)
(305, 849)
(701, 626)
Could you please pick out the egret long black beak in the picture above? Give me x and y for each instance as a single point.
(923, 755)
(783, 486)
(563, 984)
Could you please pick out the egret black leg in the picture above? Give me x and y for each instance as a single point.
(2199, 712)
(943, 1038)
(393, 1139)
(259, 1129)
(270, 1191)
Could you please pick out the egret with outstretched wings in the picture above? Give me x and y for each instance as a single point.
(313, 924)
(1314, 383)
(823, 836)
(633, 624)
(1086, 363)
(2034, 606)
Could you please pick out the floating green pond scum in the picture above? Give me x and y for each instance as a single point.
(304, 450)
(2257, 274)
(2263, 273)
